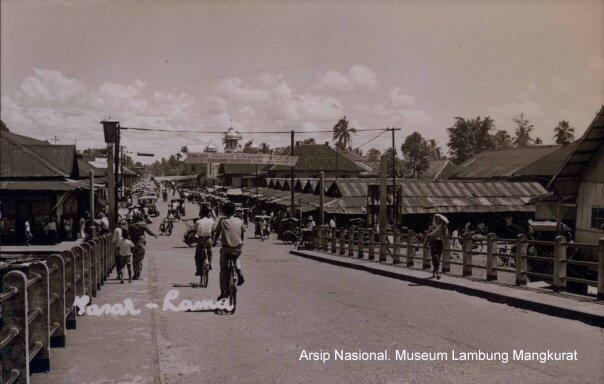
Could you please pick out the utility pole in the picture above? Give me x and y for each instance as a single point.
(293, 203)
(117, 175)
(394, 195)
(322, 198)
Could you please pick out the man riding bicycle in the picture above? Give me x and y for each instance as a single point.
(204, 227)
(231, 231)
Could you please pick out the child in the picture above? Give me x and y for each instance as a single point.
(125, 252)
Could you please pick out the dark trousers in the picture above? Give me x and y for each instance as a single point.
(227, 253)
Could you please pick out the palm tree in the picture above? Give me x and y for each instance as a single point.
(523, 132)
(341, 134)
(264, 148)
(564, 133)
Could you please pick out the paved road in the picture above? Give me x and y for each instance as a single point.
(290, 304)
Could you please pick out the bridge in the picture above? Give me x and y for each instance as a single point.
(289, 308)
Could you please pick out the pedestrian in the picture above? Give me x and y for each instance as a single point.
(125, 247)
(204, 227)
(103, 223)
(67, 225)
(51, 231)
(435, 238)
(28, 235)
(231, 232)
(332, 223)
(137, 232)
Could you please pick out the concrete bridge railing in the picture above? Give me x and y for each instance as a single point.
(37, 301)
(550, 260)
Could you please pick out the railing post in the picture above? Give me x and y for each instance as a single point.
(601, 269)
(559, 275)
(466, 249)
(56, 300)
(325, 238)
(371, 245)
(39, 330)
(71, 285)
(521, 261)
(396, 248)
(361, 244)
(491, 258)
(342, 233)
(333, 240)
(383, 244)
(15, 355)
(351, 235)
(87, 255)
(446, 263)
(410, 249)
(93, 268)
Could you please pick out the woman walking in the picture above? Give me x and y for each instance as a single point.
(436, 237)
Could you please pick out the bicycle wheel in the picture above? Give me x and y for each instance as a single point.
(205, 274)
(232, 294)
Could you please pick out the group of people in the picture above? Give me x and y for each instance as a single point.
(131, 243)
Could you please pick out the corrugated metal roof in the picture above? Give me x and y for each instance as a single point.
(319, 157)
(37, 185)
(588, 146)
(18, 161)
(467, 196)
(62, 156)
(504, 163)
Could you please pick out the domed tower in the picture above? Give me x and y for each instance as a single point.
(231, 140)
(210, 148)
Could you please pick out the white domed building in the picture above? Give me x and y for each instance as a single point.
(231, 140)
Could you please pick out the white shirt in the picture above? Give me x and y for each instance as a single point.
(27, 227)
(332, 223)
(204, 227)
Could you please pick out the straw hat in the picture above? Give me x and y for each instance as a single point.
(442, 218)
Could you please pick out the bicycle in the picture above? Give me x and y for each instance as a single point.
(231, 288)
(166, 226)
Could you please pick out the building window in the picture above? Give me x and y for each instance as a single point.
(597, 217)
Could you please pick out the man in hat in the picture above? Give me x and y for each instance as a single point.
(436, 237)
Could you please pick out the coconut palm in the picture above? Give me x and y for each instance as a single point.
(264, 148)
(342, 133)
(523, 132)
(564, 133)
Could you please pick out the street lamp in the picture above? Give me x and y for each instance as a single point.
(110, 128)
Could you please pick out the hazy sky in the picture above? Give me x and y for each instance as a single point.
(277, 65)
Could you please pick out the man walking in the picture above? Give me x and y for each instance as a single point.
(231, 231)
(137, 232)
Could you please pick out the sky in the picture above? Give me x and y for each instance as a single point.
(283, 65)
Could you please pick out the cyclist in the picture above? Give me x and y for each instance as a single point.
(203, 228)
(231, 231)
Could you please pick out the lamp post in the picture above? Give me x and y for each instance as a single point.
(111, 133)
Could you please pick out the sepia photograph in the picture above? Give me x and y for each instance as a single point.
(301, 191)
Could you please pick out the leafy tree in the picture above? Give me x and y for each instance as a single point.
(184, 149)
(564, 133)
(373, 155)
(399, 165)
(502, 140)
(342, 133)
(416, 154)
(538, 141)
(3, 126)
(310, 140)
(524, 128)
(469, 137)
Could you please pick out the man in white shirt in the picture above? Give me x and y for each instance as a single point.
(231, 231)
(204, 227)
(332, 223)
